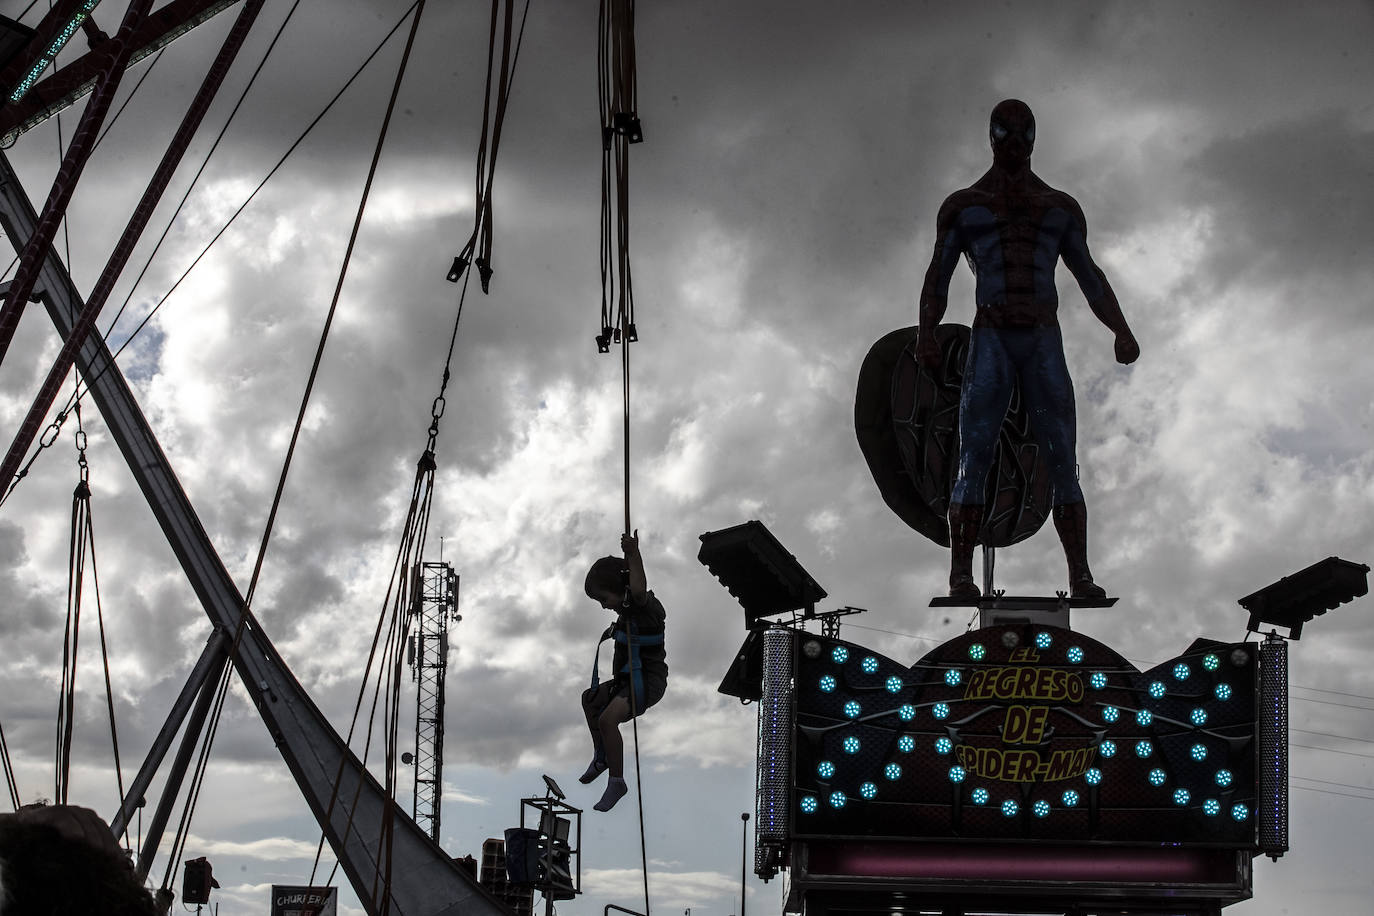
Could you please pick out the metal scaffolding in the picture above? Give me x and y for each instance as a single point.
(436, 603)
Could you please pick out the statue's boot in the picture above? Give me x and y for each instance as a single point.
(963, 537)
(1071, 521)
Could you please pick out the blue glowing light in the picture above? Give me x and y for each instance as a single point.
(1144, 749)
(906, 743)
(1093, 776)
(1239, 812)
(1043, 640)
(1198, 716)
(940, 710)
(943, 745)
(869, 664)
(1098, 680)
(1107, 748)
(1198, 751)
(827, 684)
(1211, 662)
(1110, 714)
(1181, 672)
(980, 796)
(893, 771)
(1069, 798)
(953, 677)
(1211, 807)
(1157, 777)
(907, 712)
(894, 684)
(1075, 654)
(1009, 808)
(1157, 690)
(837, 799)
(1181, 796)
(1144, 717)
(976, 652)
(1224, 778)
(809, 804)
(851, 745)
(825, 769)
(1041, 808)
(868, 790)
(840, 655)
(852, 709)
(957, 774)
(1223, 691)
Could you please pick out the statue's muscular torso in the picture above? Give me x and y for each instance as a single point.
(1013, 234)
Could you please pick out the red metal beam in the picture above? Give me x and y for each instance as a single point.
(50, 95)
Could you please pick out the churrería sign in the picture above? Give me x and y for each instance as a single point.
(290, 900)
(1025, 731)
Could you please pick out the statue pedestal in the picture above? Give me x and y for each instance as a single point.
(998, 609)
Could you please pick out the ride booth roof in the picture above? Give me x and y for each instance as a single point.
(1018, 766)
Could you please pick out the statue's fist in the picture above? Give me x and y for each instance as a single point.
(1127, 350)
(928, 351)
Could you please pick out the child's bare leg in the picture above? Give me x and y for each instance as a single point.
(616, 712)
(593, 705)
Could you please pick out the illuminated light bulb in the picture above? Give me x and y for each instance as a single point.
(957, 774)
(868, 790)
(1181, 796)
(1098, 680)
(943, 745)
(1239, 812)
(894, 684)
(1043, 640)
(825, 769)
(1211, 807)
(809, 804)
(1211, 662)
(851, 745)
(977, 652)
(1075, 654)
(1107, 749)
(840, 655)
(906, 711)
(1198, 716)
(1157, 777)
(1144, 717)
(1069, 798)
(1157, 690)
(1224, 778)
(852, 709)
(1041, 808)
(1009, 808)
(1110, 714)
(893, 771)
(1198, 751)
(980, 796)
(1093, 776)
(837, 799)
(827, 684)
(1144, 749)
(869, 664)
(1181, 672)
(906, 743)
(940, 710)
(1223, 691)
(953, 677)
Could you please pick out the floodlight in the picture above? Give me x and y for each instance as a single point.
(1294, 600)
(754, 567)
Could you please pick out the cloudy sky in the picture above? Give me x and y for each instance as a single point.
(783, 209)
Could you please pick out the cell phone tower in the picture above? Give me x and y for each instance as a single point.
(436, 604)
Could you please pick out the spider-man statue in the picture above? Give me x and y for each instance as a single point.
(1014, 228)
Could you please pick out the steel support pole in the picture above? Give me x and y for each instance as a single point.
(212, 660)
